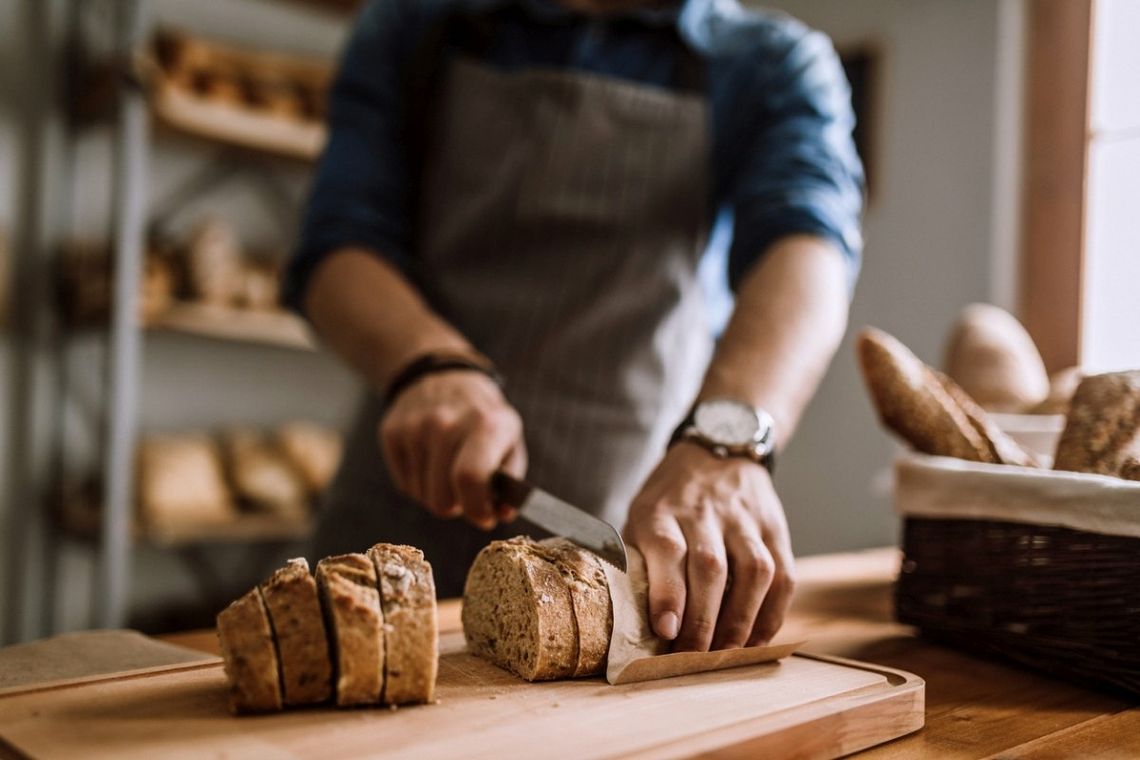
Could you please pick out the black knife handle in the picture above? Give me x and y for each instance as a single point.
(508, 490)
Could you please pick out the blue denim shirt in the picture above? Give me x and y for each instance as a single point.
(782, 158)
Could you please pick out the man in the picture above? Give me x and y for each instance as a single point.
(522, 189)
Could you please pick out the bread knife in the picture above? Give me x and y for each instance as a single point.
(556, 516)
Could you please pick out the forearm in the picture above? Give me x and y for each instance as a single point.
(369, 314)
(791, 311)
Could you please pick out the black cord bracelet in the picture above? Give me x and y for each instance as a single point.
(430, 364)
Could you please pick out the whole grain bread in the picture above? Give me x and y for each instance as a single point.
(350, 600)
(912, 401)
(249, 655)
(302, 647)
(518, 612)
(1102, 431)
(411, 625)
(590, 598)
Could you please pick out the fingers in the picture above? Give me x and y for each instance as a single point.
(441, 441)
(751, 568)
(663, 546)
(707, 573)
(486, 446)
(777, 601)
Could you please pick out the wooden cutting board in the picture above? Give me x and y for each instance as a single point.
(803, 706)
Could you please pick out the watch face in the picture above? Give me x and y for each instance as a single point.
(728, 423)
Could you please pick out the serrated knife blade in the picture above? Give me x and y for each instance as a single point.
(560, 518)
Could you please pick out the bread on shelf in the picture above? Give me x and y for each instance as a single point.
(250, 655)
(181, 481)
(350, 599)
(262, 476)
(290, 596)
(313, 450)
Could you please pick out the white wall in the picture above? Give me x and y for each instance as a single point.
(930, 231)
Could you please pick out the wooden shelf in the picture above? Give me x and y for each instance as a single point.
(244, 528)
(81, 519)
(178, 70)
(274, 328)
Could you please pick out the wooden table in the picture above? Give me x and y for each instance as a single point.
(974, 708)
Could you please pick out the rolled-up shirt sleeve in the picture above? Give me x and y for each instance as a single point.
(359, 196)
(799, 171)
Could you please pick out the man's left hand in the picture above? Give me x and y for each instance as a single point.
(716, 549)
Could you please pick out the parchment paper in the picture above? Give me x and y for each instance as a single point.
(636, 654)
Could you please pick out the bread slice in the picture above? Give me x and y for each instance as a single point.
(250, 656)
(590, 598)
(302, 647)
(1102, 432)
(355, 622)
(411, 624)
(518, 612)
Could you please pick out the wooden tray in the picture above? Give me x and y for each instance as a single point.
(804, 706)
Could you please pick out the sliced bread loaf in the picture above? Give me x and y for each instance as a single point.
(590, 597)
(355, 622)
(250, 656)
(411, 626)
(518, 612)
(302, 647)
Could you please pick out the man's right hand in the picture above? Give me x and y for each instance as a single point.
(445, 435)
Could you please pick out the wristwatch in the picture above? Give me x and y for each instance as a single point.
(730, 428)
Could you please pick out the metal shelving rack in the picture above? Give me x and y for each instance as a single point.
(132, 157)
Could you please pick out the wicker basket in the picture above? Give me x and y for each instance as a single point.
(1037, 567)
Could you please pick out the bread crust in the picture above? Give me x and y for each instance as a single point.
(249, 655)
(927, 409)
(518, 612)
(590, 599)
(302, 646)
(350, 600)
(411, 624)
(1102, 432)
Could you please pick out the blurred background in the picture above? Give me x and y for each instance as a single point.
(168, 429)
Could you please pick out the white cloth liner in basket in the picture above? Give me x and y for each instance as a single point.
(942, 487)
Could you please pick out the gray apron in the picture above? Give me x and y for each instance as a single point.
(563, 217)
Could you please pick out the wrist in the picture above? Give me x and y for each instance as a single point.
(434, 363)
(729, 428)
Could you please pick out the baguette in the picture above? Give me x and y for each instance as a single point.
(928, 409)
